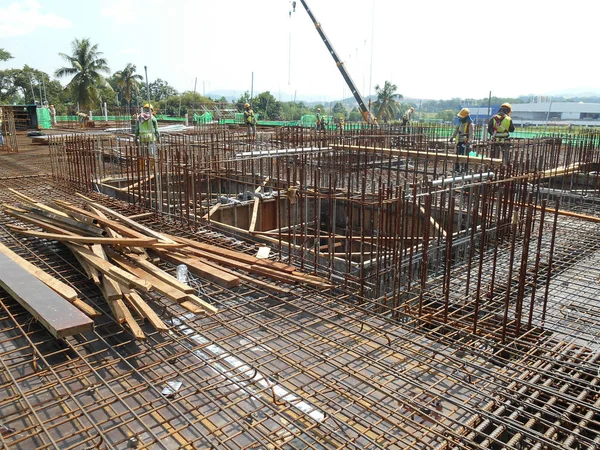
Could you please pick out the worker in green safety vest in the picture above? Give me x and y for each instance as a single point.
(499, 128)
(464, 135)
(146, 129)
(250, 120)
(320, 121)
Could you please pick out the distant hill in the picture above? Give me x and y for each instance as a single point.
(579, 92)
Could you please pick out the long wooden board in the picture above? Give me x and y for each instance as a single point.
(146, 242)
(202, 270)
(56, 314)
(126, 220)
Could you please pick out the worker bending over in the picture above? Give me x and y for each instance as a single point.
(499, 128)
(146, 130)
(250, 120)
(464, 135)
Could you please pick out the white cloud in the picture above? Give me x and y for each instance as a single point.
(21, 18)
(130, 12)
(121, 12)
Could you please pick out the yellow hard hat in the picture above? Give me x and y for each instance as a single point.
(148, 105)
(247, 105)
(318, 109)
(464, 113)
(506, 105)
(412, 109)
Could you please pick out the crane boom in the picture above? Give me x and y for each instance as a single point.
(364, 110)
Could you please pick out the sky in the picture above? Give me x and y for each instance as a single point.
(430, 49)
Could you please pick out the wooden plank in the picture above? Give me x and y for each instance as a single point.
(141, 215)
(136, 330)
(147, 312)
(202, 270)
(161, 274)
(191, 307)
(25, 218)
(63, 289)
(117, 226)
(33, 202)
(212, 211)
(204, 305)
(106, 268)
(155, 283)
(124, 219)
(116, 309)
(247, 268)
(85, 308)
(146, 242)
(91, 272)
(433, 222)
(56, 314)
(111, 289)
(254, 215)
(236, 256)
(113, 234)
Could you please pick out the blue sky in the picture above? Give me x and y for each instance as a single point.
(429, 49)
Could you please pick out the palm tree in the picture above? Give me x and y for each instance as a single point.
(127, 80)
(86, 67)
(386, 105)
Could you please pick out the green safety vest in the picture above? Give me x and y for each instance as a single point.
(463, 131)
(147, 131)
(501, 126)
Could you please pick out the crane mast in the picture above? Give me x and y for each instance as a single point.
(364, 110)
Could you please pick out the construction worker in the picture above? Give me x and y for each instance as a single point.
(250, 119)
(464, 134)
(1, 136)
(320, 124)
(342, 124)
(146, 129)
(406, 116)
(52, 111)
(499, 128)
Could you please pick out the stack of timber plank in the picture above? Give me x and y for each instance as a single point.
(122, 257)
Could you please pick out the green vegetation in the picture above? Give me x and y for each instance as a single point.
(4, 55)
(125, 91)
(86, 66)
(386, 106)
(127, 81)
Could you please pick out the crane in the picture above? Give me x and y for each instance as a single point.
(364, 110)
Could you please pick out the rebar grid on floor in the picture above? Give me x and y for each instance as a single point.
(326, 370)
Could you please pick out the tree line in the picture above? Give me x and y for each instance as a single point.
(91, 85)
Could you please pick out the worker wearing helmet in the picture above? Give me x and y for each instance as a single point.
(499, 128)
(146, 129)
(320, 121)
(464, 134)
(406, 116)
(250, 119)
(52, 111)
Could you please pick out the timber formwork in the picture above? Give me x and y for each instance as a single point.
(467, 320)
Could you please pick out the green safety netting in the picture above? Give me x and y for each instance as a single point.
(43, 117)
(164, 118)
(99, 118)
(206, 117)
